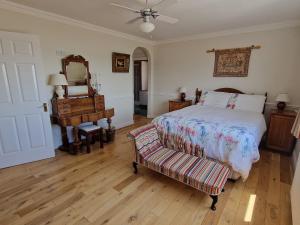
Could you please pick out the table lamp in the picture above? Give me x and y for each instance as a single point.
(282, 99)
(182, 92)
(58, 80)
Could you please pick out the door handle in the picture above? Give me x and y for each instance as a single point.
(45, 107)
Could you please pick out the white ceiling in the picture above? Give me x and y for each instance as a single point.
(195, 16)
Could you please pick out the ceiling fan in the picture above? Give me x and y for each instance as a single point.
(146, 14)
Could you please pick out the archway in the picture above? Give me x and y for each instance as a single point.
(141, 79)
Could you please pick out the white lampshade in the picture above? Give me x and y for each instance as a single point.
(182, 90)
(283, 98)
(147, 27)
(57, 79)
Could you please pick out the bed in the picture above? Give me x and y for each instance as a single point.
(231, 136)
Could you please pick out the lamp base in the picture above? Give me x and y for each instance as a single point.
(281, 106)
(182, 97)
(60, 92)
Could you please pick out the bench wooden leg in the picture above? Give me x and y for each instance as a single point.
(79, 138)
(231, 180)
(134, 164)
(88, 143)
(214, 202)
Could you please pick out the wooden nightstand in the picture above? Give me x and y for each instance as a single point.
(178, 104)
(279, 132)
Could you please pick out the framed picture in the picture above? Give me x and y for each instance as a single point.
(232, 62)
(120, 62)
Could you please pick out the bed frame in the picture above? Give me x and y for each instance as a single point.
(227, 90)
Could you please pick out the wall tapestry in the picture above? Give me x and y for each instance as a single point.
(232, 62)
(120, 62)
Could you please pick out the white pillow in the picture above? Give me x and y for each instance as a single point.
(215, 99)
(252, 103)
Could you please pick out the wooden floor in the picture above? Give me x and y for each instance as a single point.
(100, 188)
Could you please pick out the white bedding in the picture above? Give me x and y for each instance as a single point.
(253, 120)
(239, 133)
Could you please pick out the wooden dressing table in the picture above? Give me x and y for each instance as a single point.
(80, 108)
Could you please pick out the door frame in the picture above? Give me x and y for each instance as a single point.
(149, 78)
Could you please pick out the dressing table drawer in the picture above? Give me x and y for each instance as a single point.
(99, 99)
(92, 117)
(64, 109)
(74, 120)
(99, 102)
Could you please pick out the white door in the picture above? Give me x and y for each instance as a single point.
(25, 130)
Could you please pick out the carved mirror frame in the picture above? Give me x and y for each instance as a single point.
(79, 59)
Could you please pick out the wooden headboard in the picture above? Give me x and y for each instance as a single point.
(227, 90)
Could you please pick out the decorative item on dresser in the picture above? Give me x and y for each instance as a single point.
(179, 104)
(279, 132)
(86, 107)
(282, 99)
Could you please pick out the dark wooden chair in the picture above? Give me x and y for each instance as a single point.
(89, 132)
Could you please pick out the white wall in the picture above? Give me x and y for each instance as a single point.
(96, 47)
(274, 68)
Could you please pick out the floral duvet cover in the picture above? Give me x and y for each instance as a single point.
(229, 136)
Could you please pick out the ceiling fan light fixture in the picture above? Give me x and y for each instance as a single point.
(147, 27)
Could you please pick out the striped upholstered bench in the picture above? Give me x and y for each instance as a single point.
(203, 174)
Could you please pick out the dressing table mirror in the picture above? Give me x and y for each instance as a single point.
(76, 70)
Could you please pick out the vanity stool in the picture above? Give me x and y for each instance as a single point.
(89, 131)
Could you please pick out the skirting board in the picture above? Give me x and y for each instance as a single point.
(125, 124)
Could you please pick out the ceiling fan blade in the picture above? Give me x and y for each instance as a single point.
(125, 7)
(166, 19)
(134, 20)
(165, 3)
